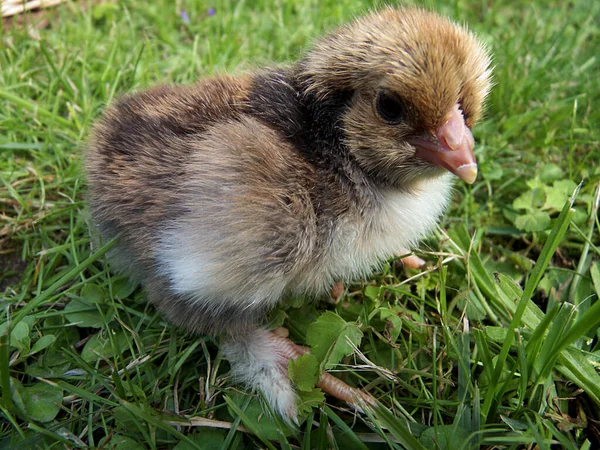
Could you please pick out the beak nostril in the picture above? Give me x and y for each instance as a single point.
(451, 145)
(453, 131)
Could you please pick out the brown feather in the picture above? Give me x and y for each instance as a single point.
(235, 192)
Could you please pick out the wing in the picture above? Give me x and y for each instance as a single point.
(135, 156)
(248, 225)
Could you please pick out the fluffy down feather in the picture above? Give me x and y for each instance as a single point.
(228, 195)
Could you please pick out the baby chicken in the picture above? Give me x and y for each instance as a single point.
(231, 194)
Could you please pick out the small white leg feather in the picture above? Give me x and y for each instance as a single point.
(258, 361)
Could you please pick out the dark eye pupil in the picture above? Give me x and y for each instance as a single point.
(390, 108)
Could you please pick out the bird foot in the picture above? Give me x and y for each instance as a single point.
(412, 261)
(327, 382)
(260, 361)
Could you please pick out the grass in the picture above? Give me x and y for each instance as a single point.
(496, 344)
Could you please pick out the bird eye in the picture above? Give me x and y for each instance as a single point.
(389, 107)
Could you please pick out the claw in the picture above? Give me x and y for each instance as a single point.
(328, 383)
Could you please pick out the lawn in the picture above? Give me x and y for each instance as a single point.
(495, 344)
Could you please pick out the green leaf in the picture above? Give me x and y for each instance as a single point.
(84, 314)
(304, 371)
(510, 292)
(309, 400)
(558, 194)
(536, 221)
(530, 201)
(120, 442)
(567, 186)
(496, 334)
(595, 273)
(372, 292)
(208, 439)
(123, 287)
(124, 419)
(554, 279)
(46, 366)
(92, 294)
(394, 321)
(331, 338)
(492, 171)
(105, 12)
(42, 401)
(515, 425)
(19, 337)
(577, 367)
(276, 319)
(550, 172)
(45, 341)
(535, 183)
(17, 392)
(100, 345)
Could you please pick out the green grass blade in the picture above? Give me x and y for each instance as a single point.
(346, 430)
(550, 247)
(396, 427)
(38, 300)
(249, 423)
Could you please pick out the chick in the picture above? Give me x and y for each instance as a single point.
(231, 194)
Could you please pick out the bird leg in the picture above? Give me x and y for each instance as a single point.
(327, 382)
(260, 358)
(412, 261)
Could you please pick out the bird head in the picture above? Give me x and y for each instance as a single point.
(417, 83)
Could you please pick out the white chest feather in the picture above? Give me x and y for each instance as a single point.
(202, 266)
(401, 221)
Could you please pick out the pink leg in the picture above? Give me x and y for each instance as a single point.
(328, 383)
(412, 261)
(259, 360)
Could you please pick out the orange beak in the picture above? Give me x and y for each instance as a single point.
(452, 149)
